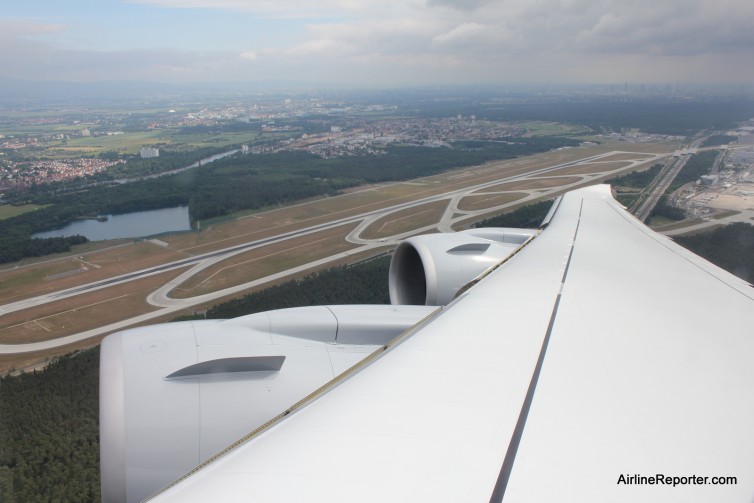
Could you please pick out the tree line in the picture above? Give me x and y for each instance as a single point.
(730, 247)
(49, 445)
(651, 115)
(525, 217)
(245, 182)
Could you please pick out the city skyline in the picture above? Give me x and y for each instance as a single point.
(413, 42)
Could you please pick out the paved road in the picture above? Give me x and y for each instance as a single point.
(168, 305)
(660, 185)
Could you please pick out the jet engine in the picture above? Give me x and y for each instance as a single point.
(431, 269)
(173, 395)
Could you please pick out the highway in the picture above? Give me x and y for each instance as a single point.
(452, 214)
(660, 185)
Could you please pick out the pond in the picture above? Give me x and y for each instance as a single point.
(128, 225)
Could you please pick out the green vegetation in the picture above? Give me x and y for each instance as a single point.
(665, 211)
(610, 114)
(730, 247)
(535, 128)
(168, 160)
(628, 187)
(697, 165)
(365, 283)
(247, 182)
(529, 217)
(9, 210)
(48, 419)
(719, 139)
(49, 438)
(627, 200)
(636, 179)
(12, 249)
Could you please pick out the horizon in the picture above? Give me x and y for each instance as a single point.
(408, 43)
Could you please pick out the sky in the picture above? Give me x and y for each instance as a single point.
(379, 42)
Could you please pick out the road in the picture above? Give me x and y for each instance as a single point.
(660, 185)
(452, 214)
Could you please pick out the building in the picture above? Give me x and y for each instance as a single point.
(709, 180)
(149, 152)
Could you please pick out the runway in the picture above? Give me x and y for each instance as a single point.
(452, 215)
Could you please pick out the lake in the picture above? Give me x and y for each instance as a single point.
(128, 225)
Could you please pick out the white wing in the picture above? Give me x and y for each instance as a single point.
(601, 349)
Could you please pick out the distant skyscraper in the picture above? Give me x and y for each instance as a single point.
(245, 149)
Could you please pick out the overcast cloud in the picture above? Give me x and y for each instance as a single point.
(385, 42)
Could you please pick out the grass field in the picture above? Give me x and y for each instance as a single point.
(542, 183)
(540, 128)
(81, 312)
(58, 274)
(725, 214)
(52, 275)
(482, 201)
(8, 211)
(266, 260)
(128, 143)
(585, 169)
(406, 220)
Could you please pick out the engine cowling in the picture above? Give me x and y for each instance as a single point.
(431, 269)
(172, 395)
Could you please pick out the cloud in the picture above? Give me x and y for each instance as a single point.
(40, 60)
(462, 35)
(467, 5)
(27, 28)
(322, 47)
(284, 9)
(418, 41)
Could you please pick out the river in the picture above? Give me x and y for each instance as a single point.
(198, 163)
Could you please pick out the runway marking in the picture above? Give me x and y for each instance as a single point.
(248, 261)
(401, 218)
(40, 325)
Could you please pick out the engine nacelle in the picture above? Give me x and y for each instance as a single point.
(431, 269)
(172, 395)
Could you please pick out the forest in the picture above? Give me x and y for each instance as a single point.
(49, 436)
(650, 115)
(697, 165)
(664, 210)
(525, 217)
(248, 182)
(49, 421)
(718, 139)
(636, 179)
(730, 247)
(365, 283)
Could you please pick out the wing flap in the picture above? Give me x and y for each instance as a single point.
(647, 368)
(648, 372)
(429, 420)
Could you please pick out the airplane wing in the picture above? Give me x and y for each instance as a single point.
(602, 362)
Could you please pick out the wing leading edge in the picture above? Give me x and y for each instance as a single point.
(600, 349)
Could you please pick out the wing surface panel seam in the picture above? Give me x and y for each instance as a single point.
(501, 484)
(670, 249)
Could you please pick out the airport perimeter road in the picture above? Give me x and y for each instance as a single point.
(234, 250)
(557, 182)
